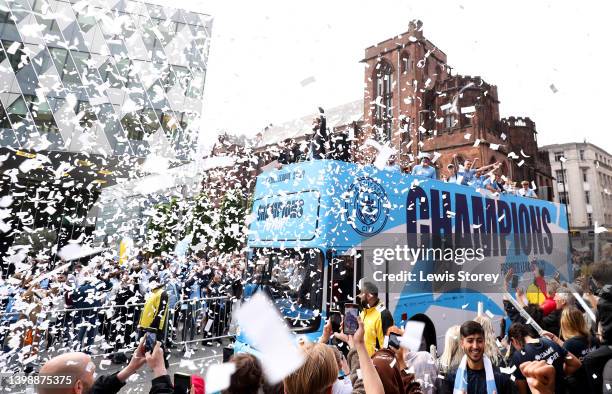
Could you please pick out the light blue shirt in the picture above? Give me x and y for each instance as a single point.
(394, 167)
(478, 182)
(526, 193)
(468, 175)
(422, 171)
(492, 183)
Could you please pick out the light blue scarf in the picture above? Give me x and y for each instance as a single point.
(461, 377)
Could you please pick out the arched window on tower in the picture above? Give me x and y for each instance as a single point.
(383, 93)
(405, 62)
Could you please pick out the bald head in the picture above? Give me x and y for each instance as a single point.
(77, 366)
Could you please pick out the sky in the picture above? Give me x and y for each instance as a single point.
(261, 51)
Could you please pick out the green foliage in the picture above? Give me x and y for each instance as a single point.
(231, 222)
(219, 228)
(164, 228)
(202, 222)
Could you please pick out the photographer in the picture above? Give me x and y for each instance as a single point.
(77, 371)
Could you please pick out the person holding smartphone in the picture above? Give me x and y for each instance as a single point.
(376, 317)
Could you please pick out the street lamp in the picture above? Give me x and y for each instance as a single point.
(562, 160)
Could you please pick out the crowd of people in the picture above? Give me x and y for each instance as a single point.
(323, 145)
(104, 307)
(489, 177)
(559, 349)
(78, 312)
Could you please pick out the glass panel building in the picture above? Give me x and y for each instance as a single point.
(88, 88)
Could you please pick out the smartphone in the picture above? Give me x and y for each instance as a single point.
(150, 339)
(394, 341)
(515, 280)
(351, 311)
(182, 383)
(336, 319)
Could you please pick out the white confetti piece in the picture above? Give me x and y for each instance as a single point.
(263, 326)
(384, 153)
(76, 251)
(5, 201)
(490, 314)
(494, 146)
(307, 81)
(189, 364)
(12, 49)
(468, 110)
(413, 332)
(464, 306)
(477, 142)
(467, 136)
(218, 376)
(600, 229)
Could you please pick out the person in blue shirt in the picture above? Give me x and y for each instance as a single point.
(467, 172)
(453, 175)
(424, 169)
(490, 184)
(525, 191)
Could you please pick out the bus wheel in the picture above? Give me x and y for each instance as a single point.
(429, 332)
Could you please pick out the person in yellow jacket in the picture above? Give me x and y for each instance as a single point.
(155, 312)
(376, 318)
(154, 315)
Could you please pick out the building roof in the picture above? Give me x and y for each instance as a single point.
(557, 146)
(341, 115)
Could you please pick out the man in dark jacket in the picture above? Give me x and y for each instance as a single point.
(74, 373)
(319, 141)
(86, 298)
(596, 360)
(552, 321)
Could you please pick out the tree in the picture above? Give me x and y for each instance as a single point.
(163, 229)
(202, 223)
(231, 222)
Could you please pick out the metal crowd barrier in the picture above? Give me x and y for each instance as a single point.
(109, 330)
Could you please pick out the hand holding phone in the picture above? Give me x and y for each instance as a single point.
(351, 312)
(336, 320)
(394, 341)
(150, 339)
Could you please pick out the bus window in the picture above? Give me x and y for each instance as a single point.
(342, 282)
(293, 280)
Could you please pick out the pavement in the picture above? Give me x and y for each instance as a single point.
(195, 360)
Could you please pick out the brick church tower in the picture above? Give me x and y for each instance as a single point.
(414, 102)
